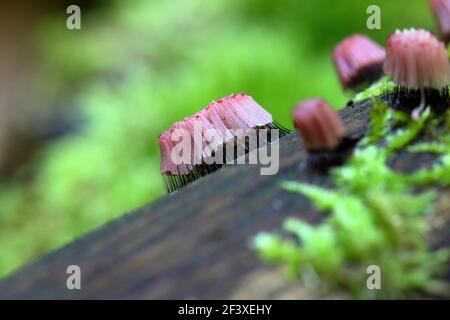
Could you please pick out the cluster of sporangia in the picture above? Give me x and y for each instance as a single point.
(415, 59)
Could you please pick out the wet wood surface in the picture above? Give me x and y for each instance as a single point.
(195, 243)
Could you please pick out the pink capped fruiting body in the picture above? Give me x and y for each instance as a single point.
(416, 59)
(320, 127)
(236, 111)
(441, 9)
(355, 57)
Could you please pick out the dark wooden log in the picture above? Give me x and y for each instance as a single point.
(194, 243)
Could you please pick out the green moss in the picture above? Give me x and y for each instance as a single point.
(428, 147)
(382, 86)
(438, 174)
(380, 116)
(375, 216)
(404, 136)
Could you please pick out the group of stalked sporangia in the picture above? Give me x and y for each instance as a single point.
(415, 59)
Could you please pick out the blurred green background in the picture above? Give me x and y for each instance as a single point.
(133, 69)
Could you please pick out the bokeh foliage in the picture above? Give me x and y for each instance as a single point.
(138, 66)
